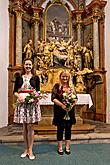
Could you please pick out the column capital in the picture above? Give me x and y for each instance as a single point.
(35, 19)
(78, 18)
(77, 12)
(96, 15)
(36, 14)
(78, 15)
(17, 8)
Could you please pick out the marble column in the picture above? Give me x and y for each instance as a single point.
(18, 10)
(96, 43)
(79, 21)
(35, 21)
(36, 30)
(18, 38)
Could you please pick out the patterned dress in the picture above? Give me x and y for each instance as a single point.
(30, 112)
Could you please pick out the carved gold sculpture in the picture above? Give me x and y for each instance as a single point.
(54, 56)
(28, 49)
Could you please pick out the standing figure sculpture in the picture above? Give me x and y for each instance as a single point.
(28, 50)
(88, 56)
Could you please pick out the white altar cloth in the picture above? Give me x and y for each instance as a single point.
(83, 99)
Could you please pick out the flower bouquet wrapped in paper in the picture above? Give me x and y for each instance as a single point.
(68, 99)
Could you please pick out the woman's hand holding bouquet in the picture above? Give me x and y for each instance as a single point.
(69, 100)
(30, 97)
(20, 98)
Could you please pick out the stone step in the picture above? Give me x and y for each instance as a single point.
(51, 129)
(47, 120)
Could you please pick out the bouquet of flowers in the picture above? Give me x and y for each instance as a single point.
(33, 96)
(68, 100)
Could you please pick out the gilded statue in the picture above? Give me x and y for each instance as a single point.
(55, 53)
(88, 57)
(80, 87)
(44, 59)
(41, 45)
(28, 49)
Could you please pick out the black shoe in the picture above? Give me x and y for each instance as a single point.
(67, 151)
(60, 152)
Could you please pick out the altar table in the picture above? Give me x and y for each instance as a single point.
(83, 99)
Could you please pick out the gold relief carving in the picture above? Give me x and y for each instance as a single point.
(80, 87)
(36, 17)
(96, 15)
(53, 77)
(78, 19)
(18, 9)
(64, 54)
(53, 57)
(18, 13)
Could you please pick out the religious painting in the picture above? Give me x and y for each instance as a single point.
(57, 23)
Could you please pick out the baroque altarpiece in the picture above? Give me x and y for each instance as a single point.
(58, 35)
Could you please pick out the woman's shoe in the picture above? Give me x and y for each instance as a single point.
(60, 152)
(67, 151)
(23, 155)
(31, 157)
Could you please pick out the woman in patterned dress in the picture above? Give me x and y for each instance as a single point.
(27, 113)
(60, 110)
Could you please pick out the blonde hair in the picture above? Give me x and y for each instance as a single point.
(70, 83)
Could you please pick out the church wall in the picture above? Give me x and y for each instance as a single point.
(4, 53)
(107, 57)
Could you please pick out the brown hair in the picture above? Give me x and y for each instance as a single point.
(26, 59)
